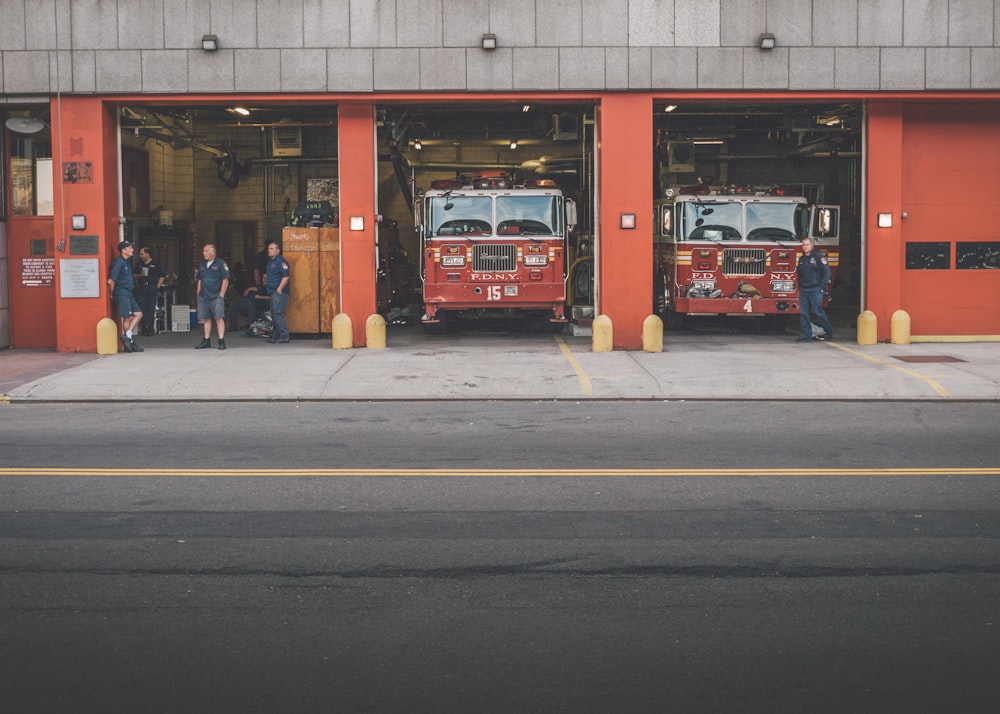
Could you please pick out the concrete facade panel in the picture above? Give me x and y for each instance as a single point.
(303, 70)
(835, 22)
(120, 71)
(740, 24)
(970, 23)
(513, 22)
(651, 23)
(257, 70)
(211, 71)
(765, 70)
(559, 23)
(605, 24)
(985, 68)
(534, 68)
(235, 23)
(856, 68)
(675, 67)
(811, 68)
(438, 68)
(949, 67)
(373, 23)
(880, 23)
(925, 23)
(697, 23)
(350, 70)
(94, 25)
(489, 70)
(44, 20)
(326, 24)
(140, 25)
(184, 24)
(465, 22)
(13, 35)
(397, 69)
(616, 68)
(640, 67)
(164, 71)
(790, 21)
(84, 71)
(581, 68)
(25, 71)
(280, 25)
(720, 67)
(418, 24)
(902, 68)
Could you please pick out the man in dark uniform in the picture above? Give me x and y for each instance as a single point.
(213, 281)
(148, 281)
(277, 277)
(120, 285)
(814, 274)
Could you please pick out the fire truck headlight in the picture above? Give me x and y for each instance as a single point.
(703, 284)
(453, 261)
(782, 286)
(536, 260)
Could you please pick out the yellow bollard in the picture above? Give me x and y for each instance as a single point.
(343, 332)
(652, 334)
(107, 336)
(899, 328)
(375, 332)
(602, 339)
(867, 328)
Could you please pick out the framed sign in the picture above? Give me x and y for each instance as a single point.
(79, 277)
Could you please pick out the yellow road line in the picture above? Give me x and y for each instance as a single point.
(417, 472)
(932, 383)
(585, 386)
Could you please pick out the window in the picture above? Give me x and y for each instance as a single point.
(928, 256)
(977, 255)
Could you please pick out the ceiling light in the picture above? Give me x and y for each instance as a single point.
(209, 43)
(417, 145)
(513, 144)
(526, 108)
(242, 111)
(25, 125)
(489, 41)
(767, 41)
(669, 108)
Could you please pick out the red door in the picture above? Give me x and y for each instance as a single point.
(31, 277)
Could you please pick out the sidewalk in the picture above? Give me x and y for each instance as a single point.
(709, 365)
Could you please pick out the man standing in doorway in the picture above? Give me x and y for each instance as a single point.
(120, 284)
(277, 277)
(149, 279)
(814, 274)
(213, 281)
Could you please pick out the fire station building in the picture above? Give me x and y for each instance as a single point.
(173, 123)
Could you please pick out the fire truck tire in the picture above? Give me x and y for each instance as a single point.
(673, 320)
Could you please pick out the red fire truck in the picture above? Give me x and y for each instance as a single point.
(493, 248)
(733, 250)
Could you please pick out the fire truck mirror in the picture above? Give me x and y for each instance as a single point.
(570, 214)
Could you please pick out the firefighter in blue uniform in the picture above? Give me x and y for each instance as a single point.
(276, 284)
(814, 274)
(120, 284)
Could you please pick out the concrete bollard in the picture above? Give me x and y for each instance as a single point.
(375, 332)
(602, 339)
(867, 328)
(343, 332)
(899, 328)
(107, 336)
(652, 334)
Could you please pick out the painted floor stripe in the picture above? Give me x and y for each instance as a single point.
(933, 383)
(478, 473)
(585, 385)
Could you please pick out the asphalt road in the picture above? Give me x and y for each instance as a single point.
(500, 557)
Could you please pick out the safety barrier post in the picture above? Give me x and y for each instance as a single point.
(867, 328)
(899, 328)
(343, 332)
(602, 339)
(375, 332)
(107, 336)
(652, 334)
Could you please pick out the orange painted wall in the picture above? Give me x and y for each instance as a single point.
(357, 198)
(884, 254)
(85, 131)
(626, 175)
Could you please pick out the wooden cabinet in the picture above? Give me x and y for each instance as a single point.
(313, 256)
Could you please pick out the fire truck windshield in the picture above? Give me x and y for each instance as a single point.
(455, 215)
(705, 220)
(772, 221)
(527, 215)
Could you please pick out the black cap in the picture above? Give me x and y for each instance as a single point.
(123, 245)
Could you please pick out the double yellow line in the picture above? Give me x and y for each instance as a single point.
(502, 473)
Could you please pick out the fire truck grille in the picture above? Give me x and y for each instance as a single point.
(494, 258)
(744, 261)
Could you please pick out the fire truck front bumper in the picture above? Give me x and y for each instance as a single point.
(736, 306)
(485, 299)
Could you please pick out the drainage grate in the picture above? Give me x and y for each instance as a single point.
(929, 358)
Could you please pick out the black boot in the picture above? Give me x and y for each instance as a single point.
(126, 343)
(205, 343)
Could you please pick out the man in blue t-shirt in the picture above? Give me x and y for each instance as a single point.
(276, 284)
(120, 285)
(213, 281)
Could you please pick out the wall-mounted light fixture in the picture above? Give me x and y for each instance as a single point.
(767, 41)
(626, 221)
(885, 220)
(417, 145)
(79, 222)
(489, 41)
(513, 144)
(357, 223)
(209, 43)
